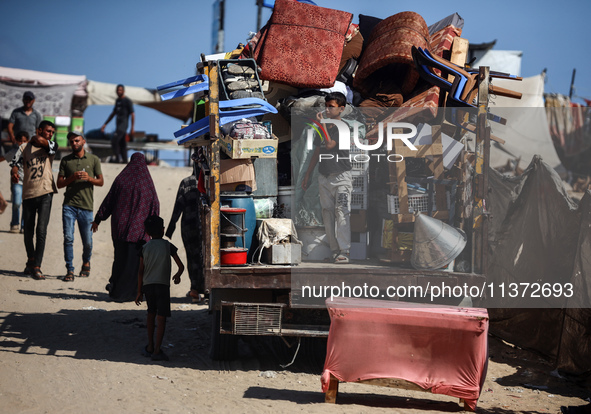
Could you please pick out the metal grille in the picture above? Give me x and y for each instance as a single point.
(257, 319)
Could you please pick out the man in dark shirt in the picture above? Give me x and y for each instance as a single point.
(24, 118)
(123, 109)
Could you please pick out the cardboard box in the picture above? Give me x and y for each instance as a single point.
(359, 221)
(235, 173)
(246, 148)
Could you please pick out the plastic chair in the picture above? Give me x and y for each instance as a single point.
(204, 85)
(237, 109)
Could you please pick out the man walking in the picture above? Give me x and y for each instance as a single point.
(123, 109)
(79, 172)
(36, 158)
(24, 118)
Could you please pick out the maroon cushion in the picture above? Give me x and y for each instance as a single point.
(389, 51)
(303, 45)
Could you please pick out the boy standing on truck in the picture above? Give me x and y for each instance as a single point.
(335, 182)
(154, 282)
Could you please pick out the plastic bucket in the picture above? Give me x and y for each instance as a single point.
(263, 208)
(285, 196)
(233, 256)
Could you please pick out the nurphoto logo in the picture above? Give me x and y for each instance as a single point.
(403, 131)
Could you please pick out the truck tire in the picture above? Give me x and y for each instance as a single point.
(223, 347)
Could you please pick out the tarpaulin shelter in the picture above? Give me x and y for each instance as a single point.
(538, 233)
(59, 94)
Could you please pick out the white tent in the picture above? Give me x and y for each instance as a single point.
(526, 132)
(59, 94)
(508, 61)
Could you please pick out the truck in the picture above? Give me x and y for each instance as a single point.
(266, 300)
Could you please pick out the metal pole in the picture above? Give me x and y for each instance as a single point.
(572, 84)
(259, 13)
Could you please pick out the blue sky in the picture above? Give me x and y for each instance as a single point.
(148, 43)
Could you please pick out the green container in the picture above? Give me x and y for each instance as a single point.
(61, 138)
(77, 125)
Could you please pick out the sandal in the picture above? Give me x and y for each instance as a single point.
(160, 356)
(85, 272)
(332, 258)
(342, 258)
(146, 353)
(37, 274)
(195, 297)
(28, 268)
(69, 277)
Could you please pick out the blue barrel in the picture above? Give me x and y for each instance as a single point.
(238, 200)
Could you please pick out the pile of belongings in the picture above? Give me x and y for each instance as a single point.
(372, 59)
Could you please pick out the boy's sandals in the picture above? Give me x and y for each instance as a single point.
(332, 258)
(37, 274)
(69, 277)
(195, 297)
(160, 356)
(342, 258)
(146, 353)
(85, 272)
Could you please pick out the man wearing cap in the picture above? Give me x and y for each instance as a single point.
(79, 172)
(24, 118)
(123, 109)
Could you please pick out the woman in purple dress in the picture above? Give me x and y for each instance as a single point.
(131, 199)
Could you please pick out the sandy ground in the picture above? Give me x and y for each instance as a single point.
(65, 348)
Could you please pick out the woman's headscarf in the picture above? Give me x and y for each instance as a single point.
(131, 199)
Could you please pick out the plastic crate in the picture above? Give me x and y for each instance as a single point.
(417, 202)
(359, 158)
(360, 183)
(358, 201)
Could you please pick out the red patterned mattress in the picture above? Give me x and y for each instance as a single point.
(302, 45)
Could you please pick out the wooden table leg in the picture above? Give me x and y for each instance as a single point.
(333, 390)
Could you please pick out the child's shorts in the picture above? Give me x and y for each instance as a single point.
(158, 299)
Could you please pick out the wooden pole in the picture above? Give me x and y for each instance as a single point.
(213, 246)
(572, 84)
(480, 186)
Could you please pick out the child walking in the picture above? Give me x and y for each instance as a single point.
(154, 283)
(16, 189)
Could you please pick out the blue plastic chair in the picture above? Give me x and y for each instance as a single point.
(204, 85)
(237, 109)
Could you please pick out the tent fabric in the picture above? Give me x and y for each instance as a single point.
(570, 124)
(441, 349)
(526, 133)
(508, 61)
(535, 239)
(538, 233)
(52, 100)
(100, 93)
(54, 92)
(34, 77)
(59, 94)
